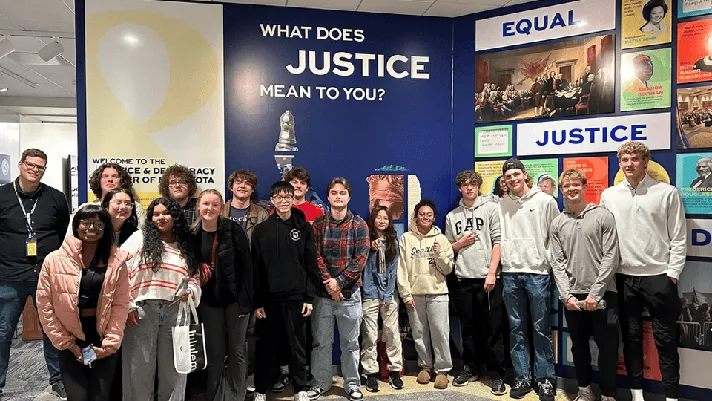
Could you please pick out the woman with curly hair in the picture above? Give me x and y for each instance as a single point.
(161, 261)
(179, 184)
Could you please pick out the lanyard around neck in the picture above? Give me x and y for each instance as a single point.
(28, 216)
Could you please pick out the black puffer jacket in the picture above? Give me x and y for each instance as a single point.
(233, 278)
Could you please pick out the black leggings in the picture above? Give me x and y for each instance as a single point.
(84, 383)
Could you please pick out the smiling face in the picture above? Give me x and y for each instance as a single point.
(573, 190)
(162, 219)
(424, 218)
(633, 166)
(515, 180)
(90, 229)
(300, 188)
(32, 169)
(283, 202)
(209, 207)
(120, 206)
(242, 189)
(381, 221)
(657, 14)
(339, 196)
(547, 186)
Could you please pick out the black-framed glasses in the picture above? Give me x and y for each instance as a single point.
(33, 166)
(91, 223)
(174, 184)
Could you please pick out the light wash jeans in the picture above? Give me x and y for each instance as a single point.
(348, 315)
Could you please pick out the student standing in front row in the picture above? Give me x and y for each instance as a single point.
(342, 244)
(425, 260)
(525, 215)
(584, 258)
(652, 235)
(473, 229)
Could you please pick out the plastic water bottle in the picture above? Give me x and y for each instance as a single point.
(600, 305)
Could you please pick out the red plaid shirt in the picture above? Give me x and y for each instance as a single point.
(341, 248)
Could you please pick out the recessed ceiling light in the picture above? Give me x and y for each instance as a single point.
(3, 89)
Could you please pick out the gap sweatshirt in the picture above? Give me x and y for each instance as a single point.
(652, 232)
(482, 218)
(584, 252)
(525, 231)
(422, 271)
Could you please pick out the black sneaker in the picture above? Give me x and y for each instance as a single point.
(59, 391)
(281, 384)
(372, 383)
(396, 381)
(355, 394)
(315, 392)
(546, 392)
(464, 377)
(498, 387)
(520, 389)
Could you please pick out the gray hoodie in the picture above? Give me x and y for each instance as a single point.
(482, 218)
(584, 252)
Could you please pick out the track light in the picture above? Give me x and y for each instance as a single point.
(51, 50)
(6, 47)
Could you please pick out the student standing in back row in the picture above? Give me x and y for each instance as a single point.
(651, 227)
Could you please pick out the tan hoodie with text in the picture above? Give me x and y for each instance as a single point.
(422, 271)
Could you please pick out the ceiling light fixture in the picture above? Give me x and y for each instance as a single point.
(6, 47)
(51, 50)
(3, 89)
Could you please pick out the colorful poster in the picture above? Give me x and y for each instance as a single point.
(694, 181)
(694, 117)
(387, 190)
(566, 78)
(688, 8)
(695, 291)
(694, 50)
(645, 80)
(491, 171)
(655, 170)
(596, 171)
(699, 238)
(645, 23)
(540, 170)
(493, 141)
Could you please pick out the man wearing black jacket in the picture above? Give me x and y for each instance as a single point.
(286, 269)
(33, 221)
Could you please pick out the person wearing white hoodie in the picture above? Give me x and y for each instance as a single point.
(650, 220)
(473, 230)
(525, 215)
(425, 258)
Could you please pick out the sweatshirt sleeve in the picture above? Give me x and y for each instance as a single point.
(403, 280)
(260, 284)
(550, 212)
(446, 257)
(352, 272)
(610, 260)
(677, 232)
(311, 265)
(558, 264)
(494, 224)
(448, 230)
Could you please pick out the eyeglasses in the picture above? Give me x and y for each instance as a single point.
(425, 215)
(174, 184)
(117, 203)
(89, 223)
(283, 198)
(33, 166)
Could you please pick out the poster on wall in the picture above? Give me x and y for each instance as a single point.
(389, 191)
(493, 141)
(689, 8)
(596, 171)
(694, 117)
(545, 174)
(699, 238)
(695, 291)
(655, 170)
(645, 23)
(645, 80)
(491, 172)
(694, 181)
(694, 51)
(567, 78)
(138, 93)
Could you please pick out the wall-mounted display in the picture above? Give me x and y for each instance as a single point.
(694, 181)
(699, 238)
(694, 51)
(694, 117)
(493, 141)
(688, 8)
(491, 171)
(572, 77)
(695, 291)
(645, 23)
(596, 171)
(540, 168)
(387, 190)
(645, 80)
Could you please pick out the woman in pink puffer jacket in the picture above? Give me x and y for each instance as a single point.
(83, 303)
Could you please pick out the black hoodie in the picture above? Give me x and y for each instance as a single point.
(284, 260)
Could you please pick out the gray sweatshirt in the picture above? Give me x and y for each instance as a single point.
(584, 252)
(482, 218)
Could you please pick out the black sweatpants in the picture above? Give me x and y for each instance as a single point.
(659, 295)
(284, 351)
(480, 315)
(84, 383)
(602, 324)
(284, 323)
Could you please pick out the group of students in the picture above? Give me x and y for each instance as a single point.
(113, 288)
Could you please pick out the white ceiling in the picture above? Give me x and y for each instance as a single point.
(47, 91)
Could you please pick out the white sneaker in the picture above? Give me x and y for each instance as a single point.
(301, 396)
(585, 394)
(251, 384)
(260, 397)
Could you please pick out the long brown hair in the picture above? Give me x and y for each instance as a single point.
(390, 232)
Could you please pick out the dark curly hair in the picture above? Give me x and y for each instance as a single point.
(152, 253)
(103, 248)
(178, 171)
(426, 202)
(124, 179)
(391, 237)
(131, 224)
(648, 8)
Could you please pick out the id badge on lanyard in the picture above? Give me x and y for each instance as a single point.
(31, 241)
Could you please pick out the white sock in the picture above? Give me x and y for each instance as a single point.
(637, 394)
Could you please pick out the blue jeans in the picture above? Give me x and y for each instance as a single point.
(518, 287)
(13, 295)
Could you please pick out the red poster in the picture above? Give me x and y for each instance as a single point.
(651, 365)
(694, 51)
(596, 171)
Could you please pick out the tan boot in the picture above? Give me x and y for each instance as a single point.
(423, 377)
(441, 381)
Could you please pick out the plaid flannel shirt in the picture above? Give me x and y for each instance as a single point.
(341, 248)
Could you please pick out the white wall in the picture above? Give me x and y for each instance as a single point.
(57, 140)
(10, 145)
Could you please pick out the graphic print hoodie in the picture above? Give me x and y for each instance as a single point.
(422, 271)
(482, 218)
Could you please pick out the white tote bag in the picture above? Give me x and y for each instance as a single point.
(188, 340)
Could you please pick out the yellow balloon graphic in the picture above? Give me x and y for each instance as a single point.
(655, 170)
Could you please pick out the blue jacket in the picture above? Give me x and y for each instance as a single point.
(377, 285)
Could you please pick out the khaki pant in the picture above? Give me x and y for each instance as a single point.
(391, 335)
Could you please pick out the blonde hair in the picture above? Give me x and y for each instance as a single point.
(572, 174)
(215, 192)
(635, 148)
